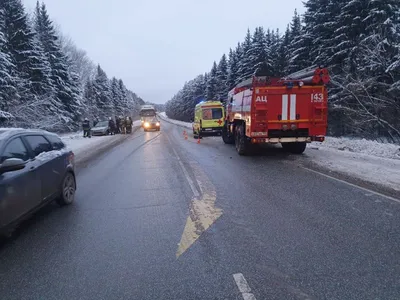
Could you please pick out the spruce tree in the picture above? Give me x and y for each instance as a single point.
(211, 90)
(245, 62)
(102, 93)
(222, 77)
(258, 54)
(275, 46)
(25, 53)
(7, 69)
(115, 93)
(66, 88)
(233, 69)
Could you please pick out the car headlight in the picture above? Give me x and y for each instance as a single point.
(157, 124)
(146, 124)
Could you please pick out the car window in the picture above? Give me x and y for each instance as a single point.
(212, 113)
(102, 124)
(55, 142)
(15, 149)
(38, 144)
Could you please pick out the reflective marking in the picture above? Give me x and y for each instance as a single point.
(243, 286)
(354, 185)
(185, 172)
(285, 100)
(293, 107)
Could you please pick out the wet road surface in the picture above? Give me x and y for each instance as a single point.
(161, 217)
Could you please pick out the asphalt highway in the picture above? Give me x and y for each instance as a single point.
(163, 217)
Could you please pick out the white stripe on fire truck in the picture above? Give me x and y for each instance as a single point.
(285, 99)
(293, 107)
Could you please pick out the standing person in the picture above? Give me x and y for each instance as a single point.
(95, 121)
(111, 125)
(86, 128)
(128, 124)
(118, 124)
(123, 124)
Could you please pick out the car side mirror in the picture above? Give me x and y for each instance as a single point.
(12, 164)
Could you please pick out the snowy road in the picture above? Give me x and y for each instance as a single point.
(161, 217)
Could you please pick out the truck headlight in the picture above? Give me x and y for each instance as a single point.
(146, 124)
(158, 124)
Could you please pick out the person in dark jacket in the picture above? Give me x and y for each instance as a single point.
(86, 128)
(118, 124)
(111, 125)
(95, 121)
(128, 124)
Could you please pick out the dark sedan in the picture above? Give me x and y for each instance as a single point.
(35, 168)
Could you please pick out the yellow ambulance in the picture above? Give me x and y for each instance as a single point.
(209, 118)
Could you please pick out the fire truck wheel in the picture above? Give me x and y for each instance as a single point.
(241, 142)
(295, 148)
(226, 138)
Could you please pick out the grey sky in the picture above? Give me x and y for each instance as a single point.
(155, 46)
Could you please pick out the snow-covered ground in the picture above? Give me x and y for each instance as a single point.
(77, 143)
(176, 122)
(85, 147)
(370, 161)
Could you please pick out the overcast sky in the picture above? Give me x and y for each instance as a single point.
(155, 46)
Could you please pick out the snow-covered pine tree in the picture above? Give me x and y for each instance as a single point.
(245, 62)
(7, 81)
(276, 41)
(222, 77)
(211, 90)
(25, 53)
(131, 103)
(66, 89)
(116, 97)
(283, 54)
(297, 52)
(259, 53)
(232, 69)
(102, 94)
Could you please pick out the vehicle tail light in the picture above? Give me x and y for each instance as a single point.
(319, 139)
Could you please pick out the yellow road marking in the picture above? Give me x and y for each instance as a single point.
(202, 212)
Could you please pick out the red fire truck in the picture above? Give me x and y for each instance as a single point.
(290, 110)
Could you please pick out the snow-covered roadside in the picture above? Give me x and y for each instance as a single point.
(164, 117)
(373, 169)
(363, 146)
(77, 143)
(370, 161)
(84, 148)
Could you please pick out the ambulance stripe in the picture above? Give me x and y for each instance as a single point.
(293, 107)
(285, 101)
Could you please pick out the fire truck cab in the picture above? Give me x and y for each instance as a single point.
(291, 111)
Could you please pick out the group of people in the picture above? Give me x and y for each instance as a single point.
(121, 125)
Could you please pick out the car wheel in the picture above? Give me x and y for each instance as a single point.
(68, 188)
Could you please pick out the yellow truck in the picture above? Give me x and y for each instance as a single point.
(209, 118)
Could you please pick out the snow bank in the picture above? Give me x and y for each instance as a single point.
(374, 169)
(363, 146)
(164, 117)
(77, 143)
